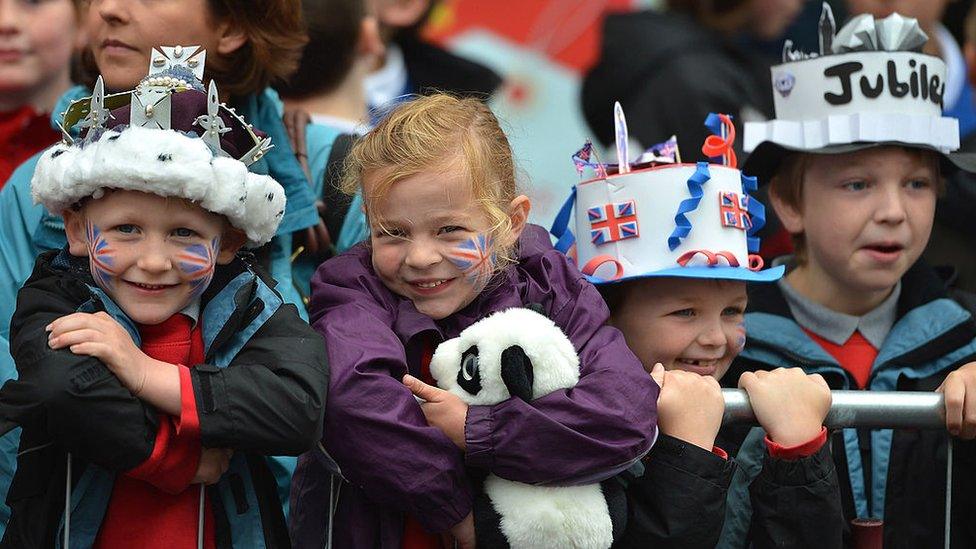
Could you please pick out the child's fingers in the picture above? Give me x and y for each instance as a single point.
(955, 400)
(421, 389)
(68, 321)
(968, 429)
(71, 322)
(657, 373)
(73, 337)
(88, 348)
(746, 380)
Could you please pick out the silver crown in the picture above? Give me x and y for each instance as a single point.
(171, 70)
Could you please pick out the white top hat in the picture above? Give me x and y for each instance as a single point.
(869, 85)
(668, 219)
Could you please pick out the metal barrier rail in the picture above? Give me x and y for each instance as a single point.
(873, 409)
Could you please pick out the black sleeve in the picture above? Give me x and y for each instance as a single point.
(336, 202)
(679, 501)
(76, 399)
(271, 398)
(796, 503)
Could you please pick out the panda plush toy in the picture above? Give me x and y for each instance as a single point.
(519, 353)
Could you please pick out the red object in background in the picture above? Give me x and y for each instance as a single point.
(567, 31)
(23, 133)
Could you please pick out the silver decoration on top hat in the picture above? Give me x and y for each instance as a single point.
(862, 33)
(828, 28)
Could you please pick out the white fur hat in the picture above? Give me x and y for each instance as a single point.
(167, 137)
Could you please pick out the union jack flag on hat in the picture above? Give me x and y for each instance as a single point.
(613, 222)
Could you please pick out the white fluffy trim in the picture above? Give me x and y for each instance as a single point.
(165, 163)
(557, 517)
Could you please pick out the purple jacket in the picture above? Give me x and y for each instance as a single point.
(377, 435)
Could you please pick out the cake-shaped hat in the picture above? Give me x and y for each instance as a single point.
(170, 137)
(659, 217)
(869, 85)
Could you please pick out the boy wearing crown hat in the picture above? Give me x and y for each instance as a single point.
(854, 160)
(152, 358)
(668, 245)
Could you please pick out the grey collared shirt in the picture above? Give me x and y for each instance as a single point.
(837, 327)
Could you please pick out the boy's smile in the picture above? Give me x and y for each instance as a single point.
(152, 255)
(687, 324)
(866, 217)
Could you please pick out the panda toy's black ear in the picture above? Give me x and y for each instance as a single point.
(469, 371)
(517, 373)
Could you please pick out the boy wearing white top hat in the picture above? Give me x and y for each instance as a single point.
(671, 247)
(854, 160)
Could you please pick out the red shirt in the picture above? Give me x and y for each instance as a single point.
(154, 506)
(23, 132)
(856, 355)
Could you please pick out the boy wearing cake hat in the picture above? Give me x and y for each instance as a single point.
(672, 246)
(156, 365)
(854, 162)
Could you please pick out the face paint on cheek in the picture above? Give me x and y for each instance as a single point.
(101, 255)
(475, 257)
(197, 262)
(740, 330)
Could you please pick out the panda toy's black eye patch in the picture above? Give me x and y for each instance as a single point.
(469, 374)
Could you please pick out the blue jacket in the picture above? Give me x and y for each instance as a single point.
(260, 391)
(898, 476)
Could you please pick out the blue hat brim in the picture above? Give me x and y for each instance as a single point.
(718, 273)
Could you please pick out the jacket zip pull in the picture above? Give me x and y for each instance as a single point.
(67, 505)
(203, 491)
(333, 504)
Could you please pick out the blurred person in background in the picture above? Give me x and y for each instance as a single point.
(953, 233)
(38, 40)
(413, 65)
(669, 69)
(327, 109)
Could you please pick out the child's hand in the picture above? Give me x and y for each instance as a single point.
(213, 464)
(789, 404)
(462, 533)
(689, 407)
(100, 336)
(443, 410)
(959, 389)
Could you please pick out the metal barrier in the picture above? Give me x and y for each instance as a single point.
(873, 409)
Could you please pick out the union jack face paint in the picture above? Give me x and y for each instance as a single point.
(475, 258)
(101, 255)
(197, 263)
